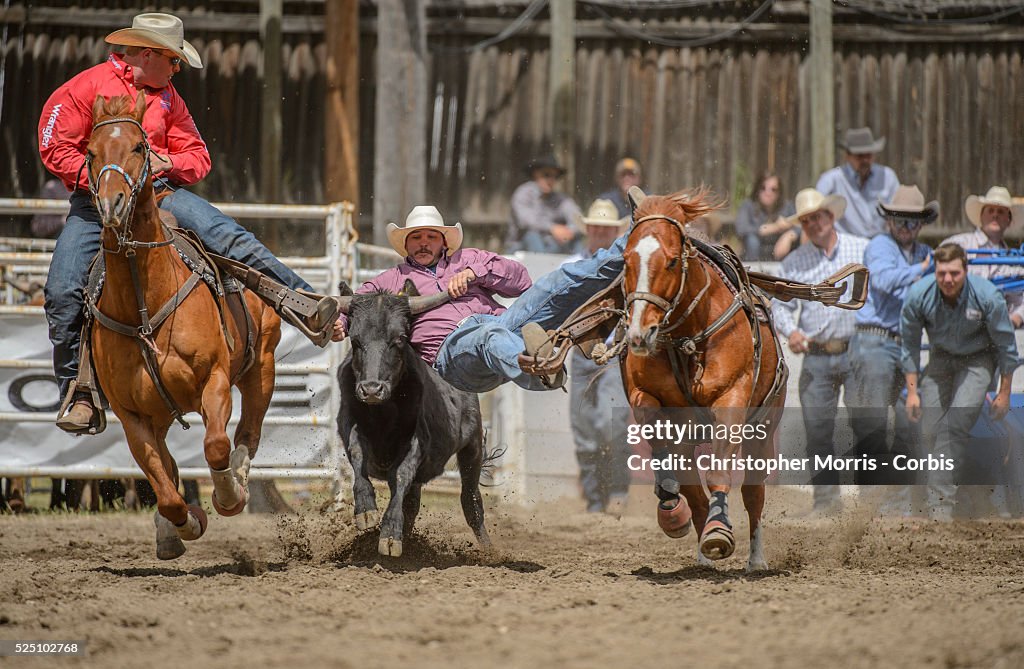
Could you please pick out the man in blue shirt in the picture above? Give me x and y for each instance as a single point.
(970, 335)
(896, 261)
(862, 183)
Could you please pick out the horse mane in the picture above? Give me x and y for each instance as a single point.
(117, 106)
(697, 202)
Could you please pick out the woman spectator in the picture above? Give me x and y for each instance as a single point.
(762, 218)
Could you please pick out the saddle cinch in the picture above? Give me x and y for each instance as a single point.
(591, 324)
(225, 278)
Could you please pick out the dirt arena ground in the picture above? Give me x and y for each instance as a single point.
(560, 588)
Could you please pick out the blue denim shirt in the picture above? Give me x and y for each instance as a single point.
(976, 323)
(861, 218)
(892, 275)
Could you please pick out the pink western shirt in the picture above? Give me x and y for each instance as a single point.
(495, 275)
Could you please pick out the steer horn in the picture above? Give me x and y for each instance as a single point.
(419, 304)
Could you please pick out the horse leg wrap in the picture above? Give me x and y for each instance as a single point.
(194, 525)
(231, 485)
(168, 543)
(717, 542)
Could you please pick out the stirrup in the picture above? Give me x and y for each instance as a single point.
(98, 420)
(318, 327)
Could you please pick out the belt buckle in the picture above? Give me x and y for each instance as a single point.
(834, 346)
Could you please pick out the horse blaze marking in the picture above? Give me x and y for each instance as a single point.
(644, 248)
(116, 132)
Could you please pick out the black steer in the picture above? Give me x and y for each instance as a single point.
(399, 420)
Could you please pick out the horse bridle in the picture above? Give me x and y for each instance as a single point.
(124, 231)
(142, 333)
(665, 325)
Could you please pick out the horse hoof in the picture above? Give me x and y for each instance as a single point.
(201, 516)
(168, 543)
(233, 511)
(194, 526)
(390, 547)
(756, 565)
(717, 542)
(170, 548)
(367, 519)
(675, 520)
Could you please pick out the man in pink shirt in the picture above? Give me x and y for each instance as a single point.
(155, 51)
(472, 341)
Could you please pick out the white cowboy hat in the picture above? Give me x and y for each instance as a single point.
(908, 202)
(158, 31)
(603, 213)
(997, 195)
(862, 140)
(424, 217)
(809, 200)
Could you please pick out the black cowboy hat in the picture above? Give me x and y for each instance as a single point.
(544, 163)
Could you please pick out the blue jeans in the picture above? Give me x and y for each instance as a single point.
(483, 352)
(820, 380)
(877, 381)
(80, 242)
(952, 390)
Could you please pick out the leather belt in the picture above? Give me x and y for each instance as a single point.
(881, 332)
(828, 347)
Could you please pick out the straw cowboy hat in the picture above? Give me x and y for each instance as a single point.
(424, 217)
(809, 200)
(908, 202)
(862, 140)
(997, 195)
(603, 213)
(158, 31)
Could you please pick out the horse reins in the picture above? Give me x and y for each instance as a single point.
(143, 334)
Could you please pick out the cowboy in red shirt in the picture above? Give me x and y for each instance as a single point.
(155, 51)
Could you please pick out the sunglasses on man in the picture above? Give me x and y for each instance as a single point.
(906, 223)
(175, 60)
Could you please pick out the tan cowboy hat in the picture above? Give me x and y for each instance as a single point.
(603, 213)
(908, 202)
(158, 31)
(862, 140)
(424, 217)
(809, 200)
(997, 195)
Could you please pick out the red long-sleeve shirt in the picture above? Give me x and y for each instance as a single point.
(66, 123)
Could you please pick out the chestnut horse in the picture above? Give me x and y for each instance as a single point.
(695, 342)
(194, 364)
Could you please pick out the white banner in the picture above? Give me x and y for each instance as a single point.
(31, 391)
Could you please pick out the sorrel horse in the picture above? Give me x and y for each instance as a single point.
(178, 358)
(696, 342)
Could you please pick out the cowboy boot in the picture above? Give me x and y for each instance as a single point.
(81, 417)
(539, 345)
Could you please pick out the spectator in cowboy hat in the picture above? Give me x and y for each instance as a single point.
(896, 261)
(821, 333)
(155, 51)
(992, 215)
(861, 182)
(599, 410)
(627, 175)
(542, 219)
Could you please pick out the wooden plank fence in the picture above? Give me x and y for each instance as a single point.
(952, 109)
